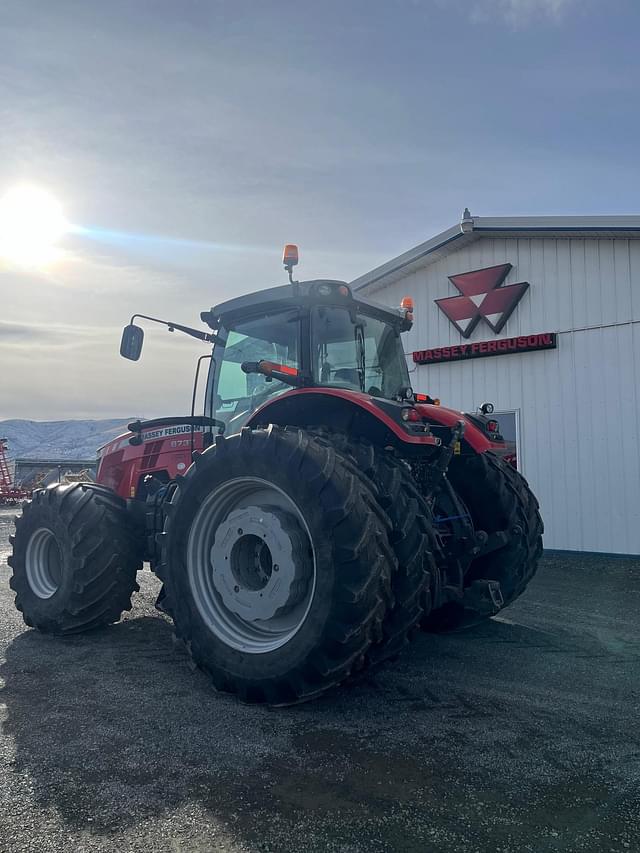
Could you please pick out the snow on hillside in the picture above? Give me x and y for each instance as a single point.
(59, 439)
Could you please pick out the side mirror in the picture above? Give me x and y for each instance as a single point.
(131, 343)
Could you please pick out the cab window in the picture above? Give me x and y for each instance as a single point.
(356, 351)
(272, 338)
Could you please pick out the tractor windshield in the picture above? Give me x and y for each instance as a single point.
(358, 351)
(272, 338)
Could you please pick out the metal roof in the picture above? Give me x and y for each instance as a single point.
(472, 228)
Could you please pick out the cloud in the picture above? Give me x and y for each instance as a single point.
(519, 13)
(40, 335)
(197, 142)
(15, 332)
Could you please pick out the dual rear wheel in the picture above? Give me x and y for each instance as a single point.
(283, 567)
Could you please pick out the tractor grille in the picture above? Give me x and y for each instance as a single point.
(151, 454)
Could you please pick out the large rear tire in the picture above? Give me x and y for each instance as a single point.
(412, 538)
(75, 558)
(500, 502)
(268, 501)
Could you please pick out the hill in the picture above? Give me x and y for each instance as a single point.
(77, 439)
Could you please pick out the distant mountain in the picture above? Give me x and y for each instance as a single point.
(59, 439)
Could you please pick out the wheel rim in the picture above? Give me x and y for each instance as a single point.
(251, 565)
(43, 563)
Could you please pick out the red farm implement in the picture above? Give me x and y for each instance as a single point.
(9, 492)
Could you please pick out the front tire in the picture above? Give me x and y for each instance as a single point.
(268, 500)
(75, 558)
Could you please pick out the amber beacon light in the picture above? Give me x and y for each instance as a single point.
(406, 305)
(290, 258)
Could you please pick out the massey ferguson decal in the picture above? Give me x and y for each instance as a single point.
(482, 297)
(481, 349)
(152, 435)
(148, 435)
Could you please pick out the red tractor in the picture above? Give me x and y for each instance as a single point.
(307, 522)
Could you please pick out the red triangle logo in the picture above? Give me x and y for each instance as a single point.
(482, 298)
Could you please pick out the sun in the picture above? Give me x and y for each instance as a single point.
(31, 223)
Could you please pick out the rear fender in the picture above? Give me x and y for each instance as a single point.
(355, 413)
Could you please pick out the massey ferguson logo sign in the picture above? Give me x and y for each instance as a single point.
(480, 349)
(482, 298)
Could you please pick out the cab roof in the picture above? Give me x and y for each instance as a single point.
(303, 293)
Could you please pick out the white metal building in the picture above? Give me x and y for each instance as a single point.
(575, 407)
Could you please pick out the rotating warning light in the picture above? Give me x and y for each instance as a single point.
(290, 256)
(406, 305)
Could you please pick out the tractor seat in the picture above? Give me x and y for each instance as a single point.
(349, 375)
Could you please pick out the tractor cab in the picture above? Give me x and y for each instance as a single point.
(303, 335)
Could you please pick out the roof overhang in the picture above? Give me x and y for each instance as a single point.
(472, 228)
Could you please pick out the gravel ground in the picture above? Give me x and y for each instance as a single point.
(518, 735)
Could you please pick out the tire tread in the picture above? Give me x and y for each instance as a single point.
(102, 555)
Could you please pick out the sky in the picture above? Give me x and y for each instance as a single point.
(188, 141)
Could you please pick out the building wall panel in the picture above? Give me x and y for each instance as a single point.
(579, 405)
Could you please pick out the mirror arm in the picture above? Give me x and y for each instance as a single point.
(208, 337)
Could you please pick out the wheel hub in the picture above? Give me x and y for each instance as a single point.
(43, 563)
(251, 565)
(260, 565)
